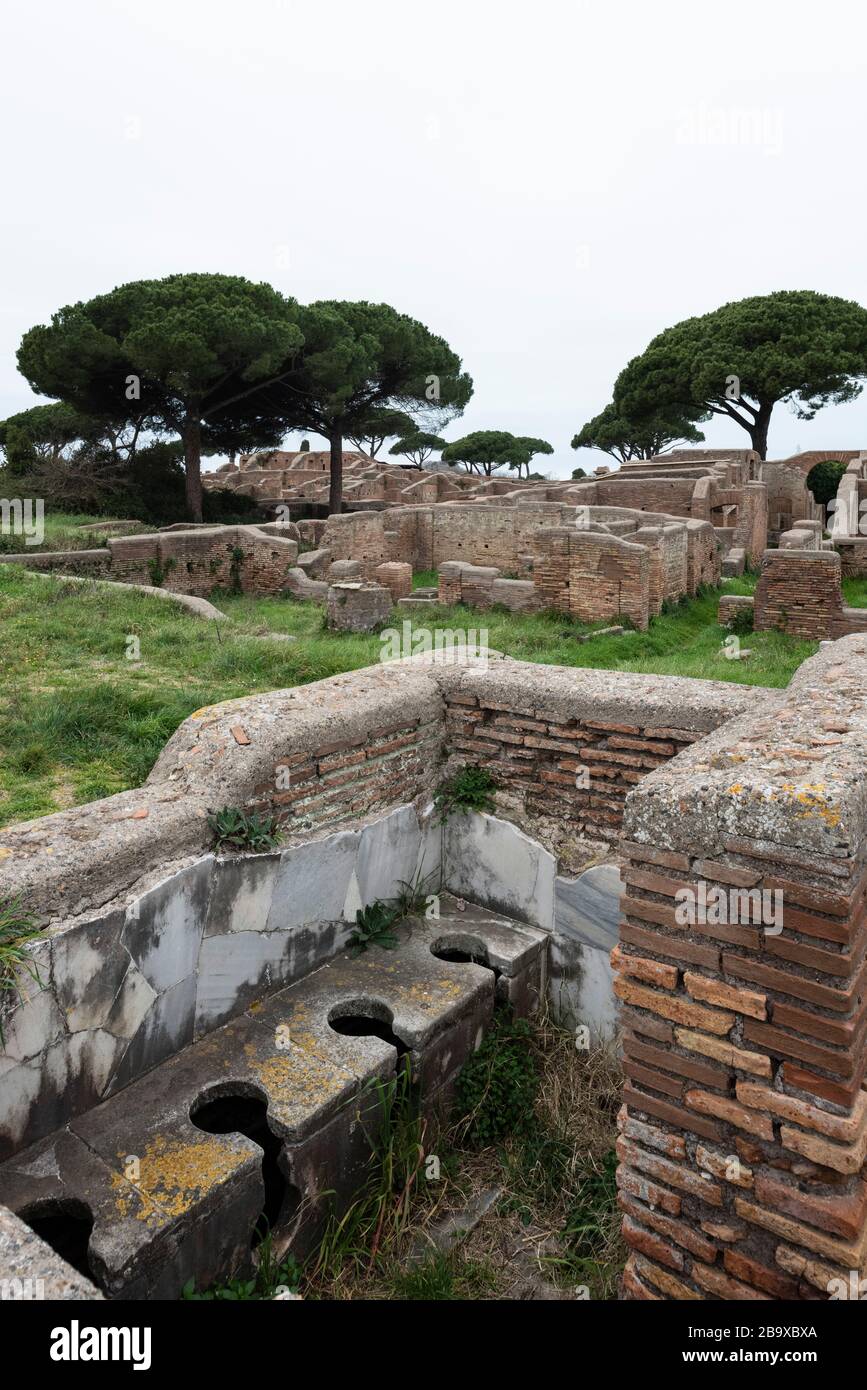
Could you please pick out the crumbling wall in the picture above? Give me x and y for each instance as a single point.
(744, 1125)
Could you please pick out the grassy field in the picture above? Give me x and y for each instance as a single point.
(61, 533)
(80, 720)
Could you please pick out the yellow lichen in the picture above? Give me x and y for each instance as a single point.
(174, 1174)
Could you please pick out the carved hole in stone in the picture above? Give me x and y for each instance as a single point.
(65, 1224)
(466, 950)
(222, 1111)
(366, 1018)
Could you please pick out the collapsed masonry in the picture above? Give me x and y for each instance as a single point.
(744, 1127)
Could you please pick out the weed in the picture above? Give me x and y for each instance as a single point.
(271, 1274)
(471, 788)
(373, 927)
(445, 1277)
(17, 928)
(497, 1085)
(411, 901)
(741, 621)
(233, 829)
(381, 1211)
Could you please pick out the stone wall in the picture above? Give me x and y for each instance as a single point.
(744, 1125)
(252, 559)
(86, 564)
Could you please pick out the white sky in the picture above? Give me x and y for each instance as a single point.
(545, 184)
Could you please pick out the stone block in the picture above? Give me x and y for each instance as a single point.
(357, 607)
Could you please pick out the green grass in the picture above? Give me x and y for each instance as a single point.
(61, 533)
(79, 721)
(444, 1278)
(855, 592)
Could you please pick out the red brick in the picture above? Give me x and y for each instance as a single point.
(650, 1244)
(711, 991)
(639, 1186)
(722, 1108)
(671, 1114)
(749, 1271)
(651, 971)
(675, 1231)
(673, 1174)
(842, 1213)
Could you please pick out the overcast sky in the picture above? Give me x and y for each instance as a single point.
(547, 185)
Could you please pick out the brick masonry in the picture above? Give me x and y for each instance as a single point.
(196, 562)
(743, 1133)
(799, 592)
(575, 746)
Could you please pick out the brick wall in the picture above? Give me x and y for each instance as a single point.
(799, 593)
(343, 779)
(670, 495)
(537, 727)
(200, 561)
(592, 576)
(744, 1127)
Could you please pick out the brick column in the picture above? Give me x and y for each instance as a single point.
(743, 1132)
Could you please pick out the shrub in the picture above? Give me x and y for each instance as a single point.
(741, 621)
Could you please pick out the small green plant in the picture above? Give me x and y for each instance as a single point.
(497, 1086)
(158, 571)
(271, 1275)
(232, 828)
(17, 928)
(373, 927)
(237, 556)
(586, 1226)
(411, 901)
(741, 621)
(471, 788)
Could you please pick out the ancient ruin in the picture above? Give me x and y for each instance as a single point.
(221, 980)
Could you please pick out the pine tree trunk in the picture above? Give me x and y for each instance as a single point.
(335, 496)
(759, 431)
(193, 463)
